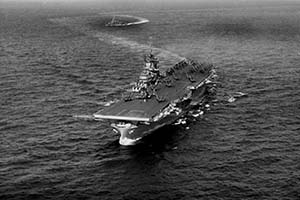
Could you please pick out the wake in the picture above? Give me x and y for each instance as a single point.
(167, 58)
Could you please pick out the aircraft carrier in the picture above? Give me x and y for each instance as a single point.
(158, 98)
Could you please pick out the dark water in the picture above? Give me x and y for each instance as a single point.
(52, 68)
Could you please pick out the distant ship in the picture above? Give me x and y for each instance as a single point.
(158, 98)
(121, 22)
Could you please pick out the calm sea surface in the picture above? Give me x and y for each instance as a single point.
(58, 64)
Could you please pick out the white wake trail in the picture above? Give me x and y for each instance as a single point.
(167, 58)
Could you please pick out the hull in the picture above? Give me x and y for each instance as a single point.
(131, 132)
(141, 130)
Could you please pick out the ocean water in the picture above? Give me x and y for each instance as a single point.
(56, 64)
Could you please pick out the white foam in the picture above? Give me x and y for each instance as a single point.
(231, 99)
(127, 142)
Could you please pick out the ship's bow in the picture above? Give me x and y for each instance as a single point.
(125, 129)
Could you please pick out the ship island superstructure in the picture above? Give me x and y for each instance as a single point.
(158, 98)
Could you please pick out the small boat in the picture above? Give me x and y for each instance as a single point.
(120, 23)
(115, 22)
